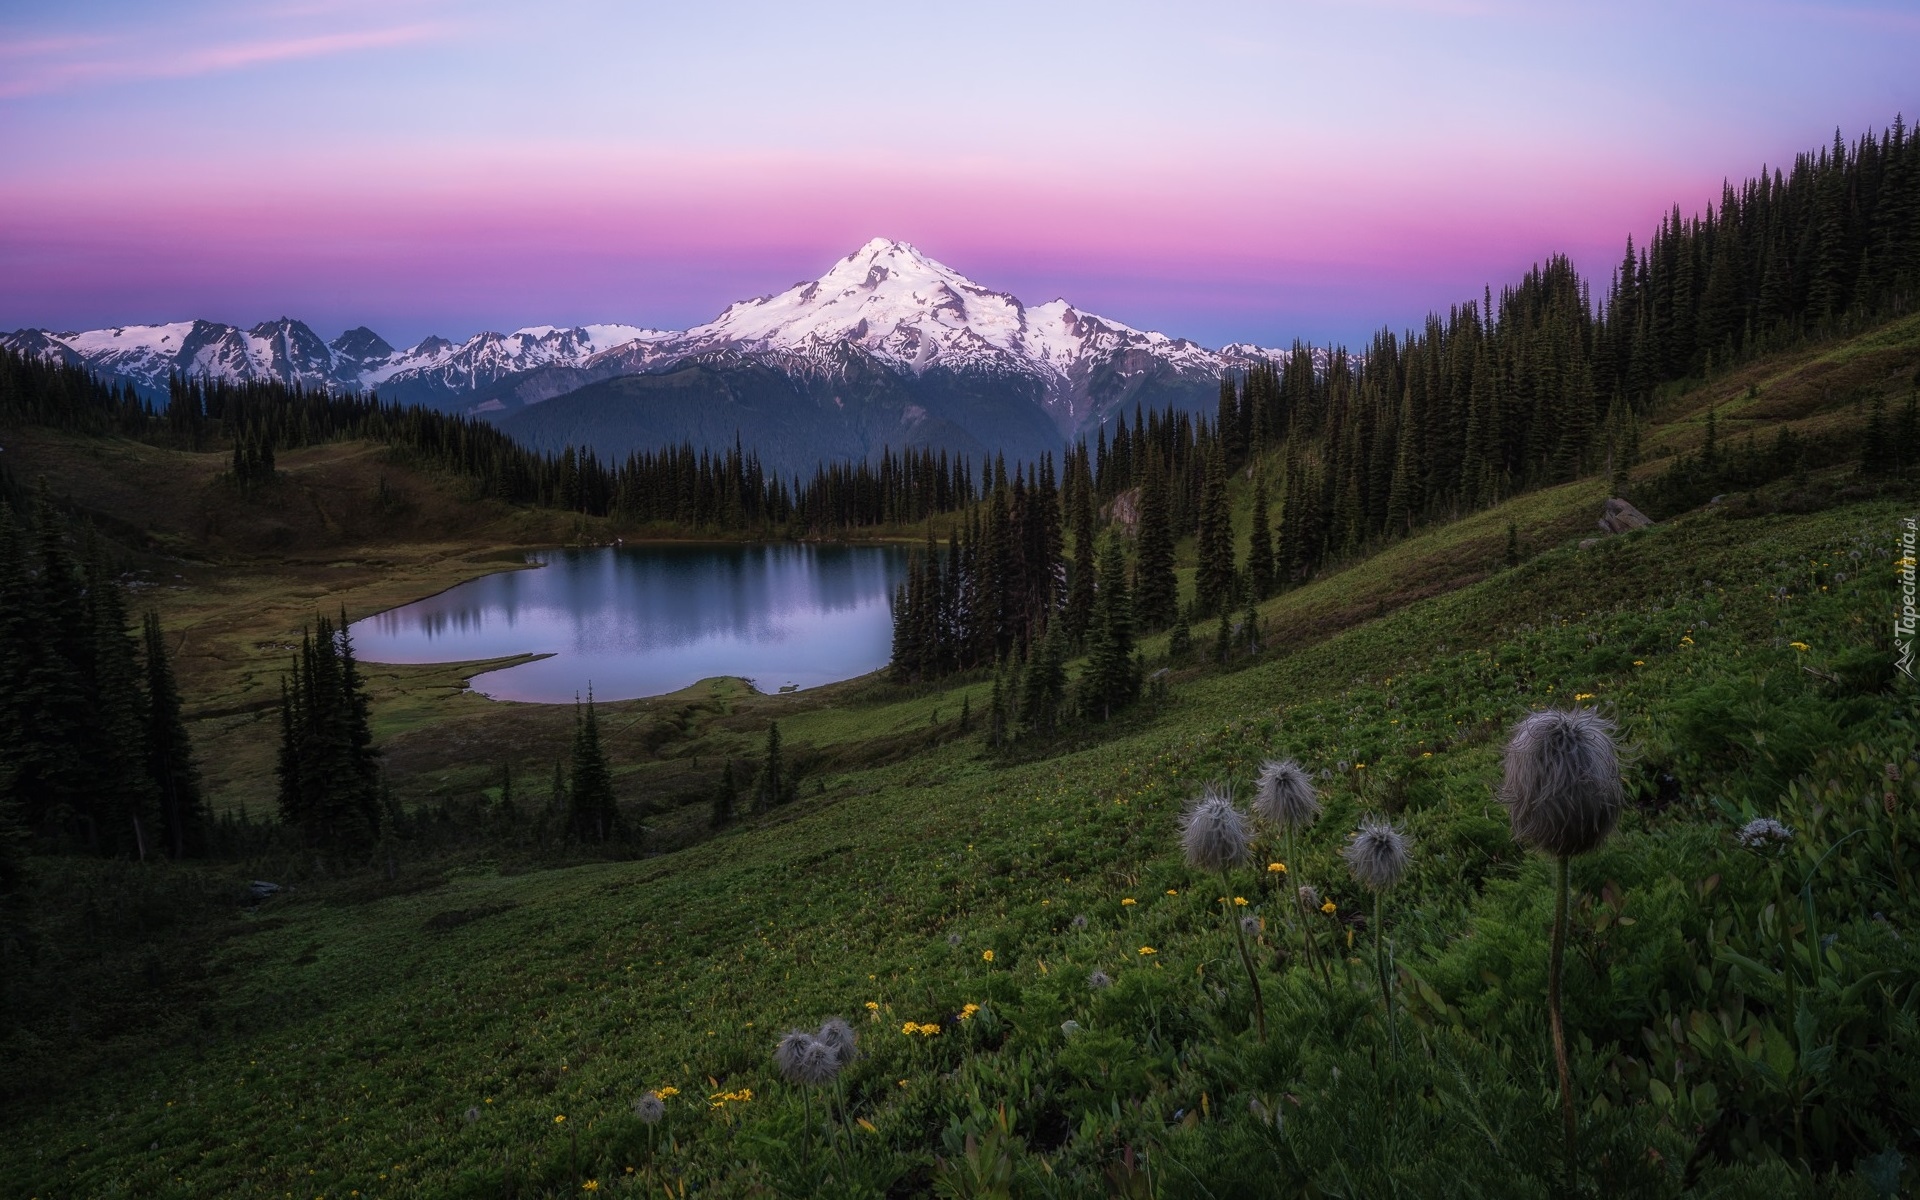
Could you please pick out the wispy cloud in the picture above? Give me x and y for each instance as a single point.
(104, 60)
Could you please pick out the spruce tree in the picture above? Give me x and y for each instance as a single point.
(170, 764)
(1079, 609)
(1213, 580)
(329, 780)
(591, 811)
(1260, 549)
(1045, 687)
(1111, 681)
(1156, 591)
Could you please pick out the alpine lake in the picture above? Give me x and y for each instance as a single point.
(646, 620)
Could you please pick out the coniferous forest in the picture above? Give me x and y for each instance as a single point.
(1543, 383)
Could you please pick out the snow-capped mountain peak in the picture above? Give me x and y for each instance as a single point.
(887, 303)
(887, 297)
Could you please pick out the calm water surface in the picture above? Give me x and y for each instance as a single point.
(646, 620)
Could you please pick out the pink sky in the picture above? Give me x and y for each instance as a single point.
(421, 168)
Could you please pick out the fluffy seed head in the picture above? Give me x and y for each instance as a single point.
(1378, 854)
(1249, 925)
(1309, 898)
(839, 1037)
(1562, 783)
(1762, 832)
(805, 1059)
(1285, 795)
(1080, 922)
(1215, 833)
(1098, 980)
(650, 1108)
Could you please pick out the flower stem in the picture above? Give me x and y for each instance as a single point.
(1246, 960)
(1380, 966)
(1553, 1011)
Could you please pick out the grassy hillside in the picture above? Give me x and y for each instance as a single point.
(1744, 1020)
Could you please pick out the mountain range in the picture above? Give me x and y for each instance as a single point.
(888, 348)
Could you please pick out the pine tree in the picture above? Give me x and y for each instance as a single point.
(1213, 581)
(592, 813)
(1180, 641)
(1111, 681)
(1223, 637)
(1045, 688)
(1260, 549)
(329, 780)
(1156, 590)
(1079, 609)
(170, 764)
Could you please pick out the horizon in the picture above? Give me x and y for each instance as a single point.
(433, 170)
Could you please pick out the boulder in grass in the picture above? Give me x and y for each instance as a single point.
(260, 889)
(1620, 517)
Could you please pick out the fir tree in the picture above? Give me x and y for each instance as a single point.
(1045, 689)
(329, 781)
(1079, 609)
(1213, 580)
(170, 763)
(592, 814)
(1156, 591)
(1111, 681)
(1260, 549)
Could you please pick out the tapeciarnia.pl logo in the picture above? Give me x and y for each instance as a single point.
(1905, 619)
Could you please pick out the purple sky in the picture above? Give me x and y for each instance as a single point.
(1223, 171)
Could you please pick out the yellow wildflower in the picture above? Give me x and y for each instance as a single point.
(1173, 891)
(873, 1006)
(1129, 902)
(591, 1185)
(1426, 754)
(1686, 641)
(1639, 662)
(1329, 908)
(1583, 695)
(1148, 950)
(910, 1028)
(1273, 867)
(987, 954)
(966, 1013)
(561, 1119)
(1800, 646)
(1240, 901)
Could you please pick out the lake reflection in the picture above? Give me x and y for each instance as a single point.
(646, 620)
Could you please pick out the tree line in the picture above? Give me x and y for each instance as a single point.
(709, 491)
(94, 753)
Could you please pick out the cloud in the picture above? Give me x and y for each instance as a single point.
(73, 72)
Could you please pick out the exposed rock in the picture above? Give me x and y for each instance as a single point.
(1124, 509)
(1619, 517)
(1589, 543)
(260, 889)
